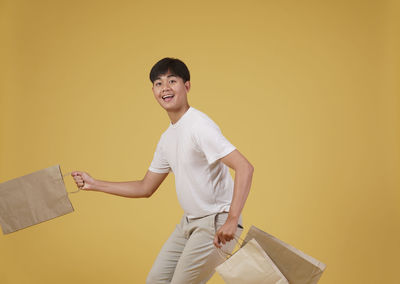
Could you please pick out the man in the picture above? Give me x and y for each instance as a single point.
(195, 150)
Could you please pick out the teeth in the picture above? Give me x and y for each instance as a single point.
(169, 96)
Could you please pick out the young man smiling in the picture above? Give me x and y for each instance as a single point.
(194, 149)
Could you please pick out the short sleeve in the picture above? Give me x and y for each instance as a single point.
(211, 142)
(159, 163)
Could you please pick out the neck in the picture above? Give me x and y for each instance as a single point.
(175, 115)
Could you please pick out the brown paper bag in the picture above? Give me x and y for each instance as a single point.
(297, 267)
(250, 265)
(33, 198)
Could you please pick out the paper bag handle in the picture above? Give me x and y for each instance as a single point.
(69, 192)
(227, 255)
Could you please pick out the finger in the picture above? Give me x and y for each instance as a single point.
(228, 238)
(216, 242)
(221, 238)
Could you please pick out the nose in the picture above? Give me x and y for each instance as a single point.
(165, 87)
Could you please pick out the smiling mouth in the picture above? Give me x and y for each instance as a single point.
(167, 98)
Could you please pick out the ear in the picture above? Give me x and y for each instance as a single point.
(187, 86)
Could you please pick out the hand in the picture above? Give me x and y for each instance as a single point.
(83, 180)
(226, 233)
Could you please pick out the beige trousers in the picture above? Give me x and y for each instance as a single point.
(189, 255)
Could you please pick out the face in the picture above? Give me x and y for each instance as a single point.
(171, 92)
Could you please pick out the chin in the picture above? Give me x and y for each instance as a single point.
(166, 107)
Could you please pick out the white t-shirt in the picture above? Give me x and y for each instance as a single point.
(191, 149)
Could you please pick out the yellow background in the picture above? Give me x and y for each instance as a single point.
(307, 90)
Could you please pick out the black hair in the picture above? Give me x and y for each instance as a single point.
(174, 65)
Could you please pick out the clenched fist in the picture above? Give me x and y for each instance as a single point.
(83, 180)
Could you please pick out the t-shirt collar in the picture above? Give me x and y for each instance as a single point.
(179, 122)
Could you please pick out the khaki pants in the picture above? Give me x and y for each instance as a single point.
(189, 255)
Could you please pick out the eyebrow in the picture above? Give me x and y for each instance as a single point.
(172, 75)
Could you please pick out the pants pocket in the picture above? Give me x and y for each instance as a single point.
(219, 220)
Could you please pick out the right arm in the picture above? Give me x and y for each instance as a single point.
(132, 189)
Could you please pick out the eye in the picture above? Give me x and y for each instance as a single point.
(157, 84)
(172, 81)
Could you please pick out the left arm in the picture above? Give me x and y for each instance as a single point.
(243, 176)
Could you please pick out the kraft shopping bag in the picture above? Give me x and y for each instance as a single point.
(296, 266)
(250, 265)
(32, 199)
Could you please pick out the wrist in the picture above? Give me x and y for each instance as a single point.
(95, 185)
(233, 218)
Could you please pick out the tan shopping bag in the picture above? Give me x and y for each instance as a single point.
(297, 267)
(33, 198)
(250, 265)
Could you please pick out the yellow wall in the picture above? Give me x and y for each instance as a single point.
(307, 90)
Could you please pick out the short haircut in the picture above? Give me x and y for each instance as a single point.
(174, 65)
